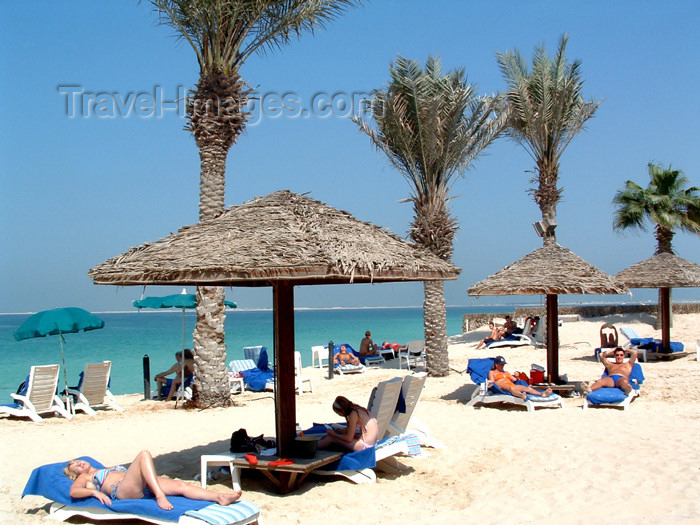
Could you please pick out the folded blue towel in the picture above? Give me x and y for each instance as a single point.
(50, 482)
(220, 515)
(257, 379)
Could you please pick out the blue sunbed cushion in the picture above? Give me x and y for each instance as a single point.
(606, 395)
(50, 482)
(220, 515)
(614, 394)
(257, 379)
(478, 369)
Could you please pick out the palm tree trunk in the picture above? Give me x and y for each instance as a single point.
(210, 386)
(547, 196)
(435, 327)
(664, 238)
(216, 119)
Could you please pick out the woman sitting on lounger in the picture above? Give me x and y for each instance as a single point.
(360, 432)
(506, 382)
(134, 482)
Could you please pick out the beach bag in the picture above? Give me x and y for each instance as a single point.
(241, 442)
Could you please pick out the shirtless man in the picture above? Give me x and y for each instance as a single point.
(367, 347)
(508, 327)
(618, 371)
(345, 358)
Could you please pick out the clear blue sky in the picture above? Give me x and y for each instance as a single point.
(77, 191)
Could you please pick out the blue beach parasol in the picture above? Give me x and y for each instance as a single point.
(182, 300)
(59, 321)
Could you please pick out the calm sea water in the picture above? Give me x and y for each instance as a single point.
(126, 337)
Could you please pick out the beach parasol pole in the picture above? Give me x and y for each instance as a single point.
(65, 373)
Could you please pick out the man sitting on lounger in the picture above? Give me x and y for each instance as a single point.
(508, 327)
(345, 358)
(367, 347)
(618, 371)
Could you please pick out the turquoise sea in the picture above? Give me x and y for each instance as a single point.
(126, 337)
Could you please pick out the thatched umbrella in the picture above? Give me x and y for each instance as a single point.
(281, 240)
(550, 270)
(663, 271)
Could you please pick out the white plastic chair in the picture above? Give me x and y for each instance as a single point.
(415, 353)
(41, 396)
(318, 353)
(93, 391)
(298, 379)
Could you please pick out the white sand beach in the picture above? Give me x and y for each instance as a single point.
(501, 464)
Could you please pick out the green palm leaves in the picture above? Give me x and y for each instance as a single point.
(431, 126)
(666, 202)
(546, 111)
(224, 33)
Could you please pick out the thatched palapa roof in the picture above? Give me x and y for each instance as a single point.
(664, 270)
(283, 236)
(551, 269)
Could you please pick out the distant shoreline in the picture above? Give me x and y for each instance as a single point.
(508, 306)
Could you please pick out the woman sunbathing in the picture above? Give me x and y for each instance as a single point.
(136, 481)
(506, 381)
(360, 432)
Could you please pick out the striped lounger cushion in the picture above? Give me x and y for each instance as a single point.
(220, 515)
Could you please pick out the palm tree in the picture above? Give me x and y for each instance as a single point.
(431, 127)
(666, 202)
(546, 111)
(669, 205)
(223, 35)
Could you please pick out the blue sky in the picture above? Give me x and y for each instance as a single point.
(78, 190)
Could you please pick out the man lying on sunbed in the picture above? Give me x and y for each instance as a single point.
(345, 358)
(618, 371)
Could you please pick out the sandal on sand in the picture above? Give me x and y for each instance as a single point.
(280, 462)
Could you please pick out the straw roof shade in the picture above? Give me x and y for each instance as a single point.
(283, 236)
(550, 270)
(280, 240)
(663, 271)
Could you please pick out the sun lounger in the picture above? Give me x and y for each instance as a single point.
(487, 392)
(414, 353)
(649, 347)
(38, 396)
(254, 378)
(92, 390)
(615, 397)
(348, 369)
(404, 421)
(50, 482)
(358, 466)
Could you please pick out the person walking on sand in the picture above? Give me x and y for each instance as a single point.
(367, 347)
(136, 481)
(618, 371)
(505, 381)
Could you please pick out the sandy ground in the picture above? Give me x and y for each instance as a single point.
(501, 463)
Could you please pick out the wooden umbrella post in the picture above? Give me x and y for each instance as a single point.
(552, 338)
(665, 308)
(285, 398)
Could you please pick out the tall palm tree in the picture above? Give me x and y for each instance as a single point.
(431, 127)
(666, 202)
(223, 35)
(546, 111)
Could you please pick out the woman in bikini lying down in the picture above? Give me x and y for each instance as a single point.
(505, 381)
(136, 481)
(360, 432)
